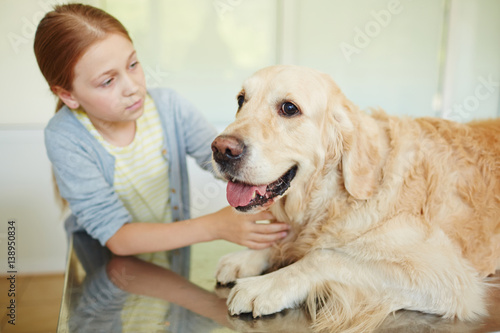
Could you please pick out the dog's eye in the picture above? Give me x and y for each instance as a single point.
(289, 109)
(241, 99)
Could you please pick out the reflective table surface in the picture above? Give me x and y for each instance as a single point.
(105, 293)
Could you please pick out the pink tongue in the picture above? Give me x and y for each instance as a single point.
(240, 194)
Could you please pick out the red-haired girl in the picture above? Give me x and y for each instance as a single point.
(118, 150)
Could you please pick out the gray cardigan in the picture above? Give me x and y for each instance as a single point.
(84, 170)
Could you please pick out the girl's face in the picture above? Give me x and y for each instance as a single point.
(109, 83)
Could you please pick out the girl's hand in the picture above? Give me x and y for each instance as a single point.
(241, 229)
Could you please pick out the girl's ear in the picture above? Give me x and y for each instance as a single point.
(66, 97)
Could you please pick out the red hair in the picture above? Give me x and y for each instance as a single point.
(63, 36)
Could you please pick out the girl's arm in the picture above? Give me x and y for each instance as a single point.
(227, 224)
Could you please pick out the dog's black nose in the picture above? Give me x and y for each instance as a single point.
(227, 149)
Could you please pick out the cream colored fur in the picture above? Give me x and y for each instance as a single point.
(387, 213)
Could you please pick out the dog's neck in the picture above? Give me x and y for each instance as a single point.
(313, 199)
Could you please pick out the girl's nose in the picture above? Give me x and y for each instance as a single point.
(130, 85)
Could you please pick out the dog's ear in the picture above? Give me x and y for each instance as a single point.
(361, 157)
(356, 142)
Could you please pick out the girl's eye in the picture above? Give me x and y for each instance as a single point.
(107, 82)
(289, 109)
(134, 64)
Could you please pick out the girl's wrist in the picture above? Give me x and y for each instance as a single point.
(209, 227)
(214, 225)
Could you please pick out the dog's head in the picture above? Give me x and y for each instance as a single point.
(290, 121)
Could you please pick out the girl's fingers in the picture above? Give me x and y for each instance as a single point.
(258, 246)
(270, 228)
(268, 237)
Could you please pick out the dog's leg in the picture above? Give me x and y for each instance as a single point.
(242, 264)
(315, 278)
(279, 290)
(334, 274)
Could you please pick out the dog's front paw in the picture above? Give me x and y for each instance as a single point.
(241, 264)
(267, 294)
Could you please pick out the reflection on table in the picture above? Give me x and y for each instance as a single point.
(106, 293)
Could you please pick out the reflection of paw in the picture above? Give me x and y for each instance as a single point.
(267, 294)
(288, 321)
(241, 264)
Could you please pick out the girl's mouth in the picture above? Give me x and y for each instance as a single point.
(136, 106)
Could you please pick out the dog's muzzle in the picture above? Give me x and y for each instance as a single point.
(229, 154)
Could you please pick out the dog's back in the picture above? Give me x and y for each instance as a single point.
(466, 167)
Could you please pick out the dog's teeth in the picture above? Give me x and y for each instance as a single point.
(254, 195)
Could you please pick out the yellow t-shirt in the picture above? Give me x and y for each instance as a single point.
(141, 172)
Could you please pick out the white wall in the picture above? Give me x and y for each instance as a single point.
(27, 197)
(381, 53)
(472, 71)
(424, 58)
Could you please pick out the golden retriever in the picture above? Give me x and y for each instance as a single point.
(387, 213)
